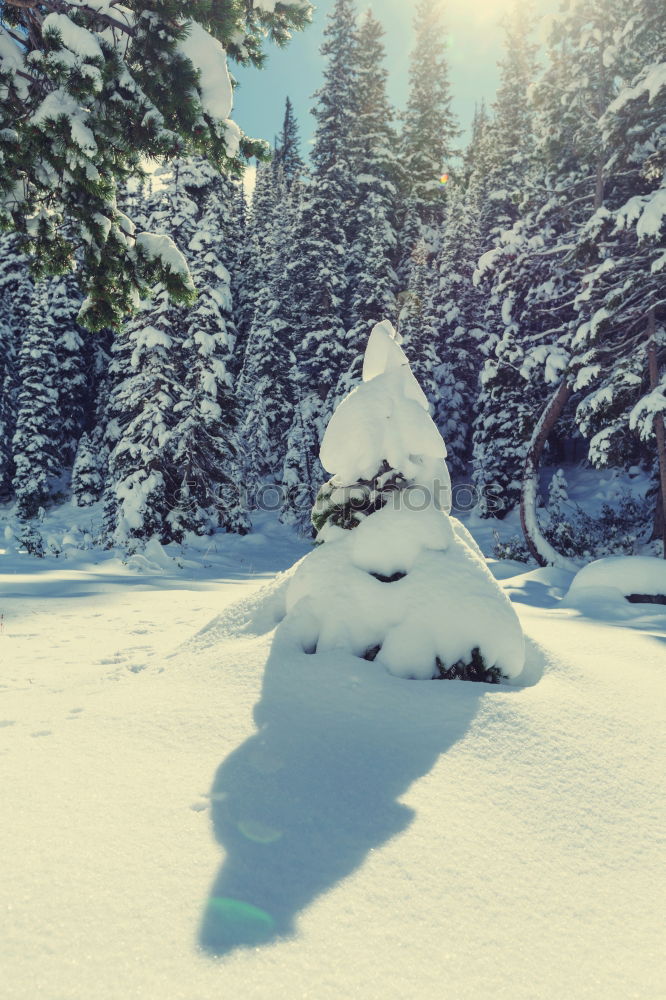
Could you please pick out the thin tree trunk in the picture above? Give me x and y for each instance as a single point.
(659, 429)
(539, 546)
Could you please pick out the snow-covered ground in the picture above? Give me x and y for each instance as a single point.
(172, 786)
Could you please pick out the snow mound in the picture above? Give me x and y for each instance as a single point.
(406, 582)
(619, 576)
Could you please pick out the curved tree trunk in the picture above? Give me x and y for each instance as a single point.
(659, 430)
(539, 546)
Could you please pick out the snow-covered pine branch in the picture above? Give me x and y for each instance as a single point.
(88, 90)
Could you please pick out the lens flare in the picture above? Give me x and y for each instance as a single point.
(444, 179)
(260, 833)
(232, 923)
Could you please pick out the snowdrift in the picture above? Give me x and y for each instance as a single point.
(409, 588)
(620, 577)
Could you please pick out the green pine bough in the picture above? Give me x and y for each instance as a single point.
(90, 90)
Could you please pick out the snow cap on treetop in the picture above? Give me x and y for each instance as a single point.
(383, 351)
(384, 419)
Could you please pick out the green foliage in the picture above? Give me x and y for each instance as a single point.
(346, 506)
(86, 95)
(476, 670)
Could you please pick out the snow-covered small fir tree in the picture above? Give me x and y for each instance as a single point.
(558, 493)
(87, 481)
(395, 578)
(63, 305)
(37, 435)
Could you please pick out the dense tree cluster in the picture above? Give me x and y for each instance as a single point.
(525, 276)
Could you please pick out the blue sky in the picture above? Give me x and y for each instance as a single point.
(475, 45)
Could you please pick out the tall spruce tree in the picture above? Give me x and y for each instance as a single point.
(517, 276)
(63, 306)
(619, 355)
(205, 449)
(171, 431)
(430, 130)
(258, 237)
(457, 317)
(372, 254)
(264, 386)
(511, 128)
(288, 148)
(16, 291)
(416, 327)
(317, 269)
(7, 407)
(37, 435)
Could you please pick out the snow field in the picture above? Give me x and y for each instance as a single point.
(502, 841)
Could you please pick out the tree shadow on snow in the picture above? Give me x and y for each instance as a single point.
(300, 804)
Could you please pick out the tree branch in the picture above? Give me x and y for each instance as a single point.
(57, 8)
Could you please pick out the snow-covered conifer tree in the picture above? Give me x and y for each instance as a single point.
(288, 148)
(7, 407)
(316, 271)
(416, 327)
(619, 354)
(396, 579)
(16, 295)
(63, 306)
(372, 254)
(171, 409)
(511, 128)
(430, 127)
(88, 91)
(558, 492)
(531, 278)
(205, 452)
(145, 379)
(264, 385)
(256, 257)
(87, 481)
(456, 316)
(37, 435)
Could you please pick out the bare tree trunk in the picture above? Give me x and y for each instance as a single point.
(539, 546)
(659, 429)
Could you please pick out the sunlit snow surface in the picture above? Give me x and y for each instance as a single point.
(173, 788)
